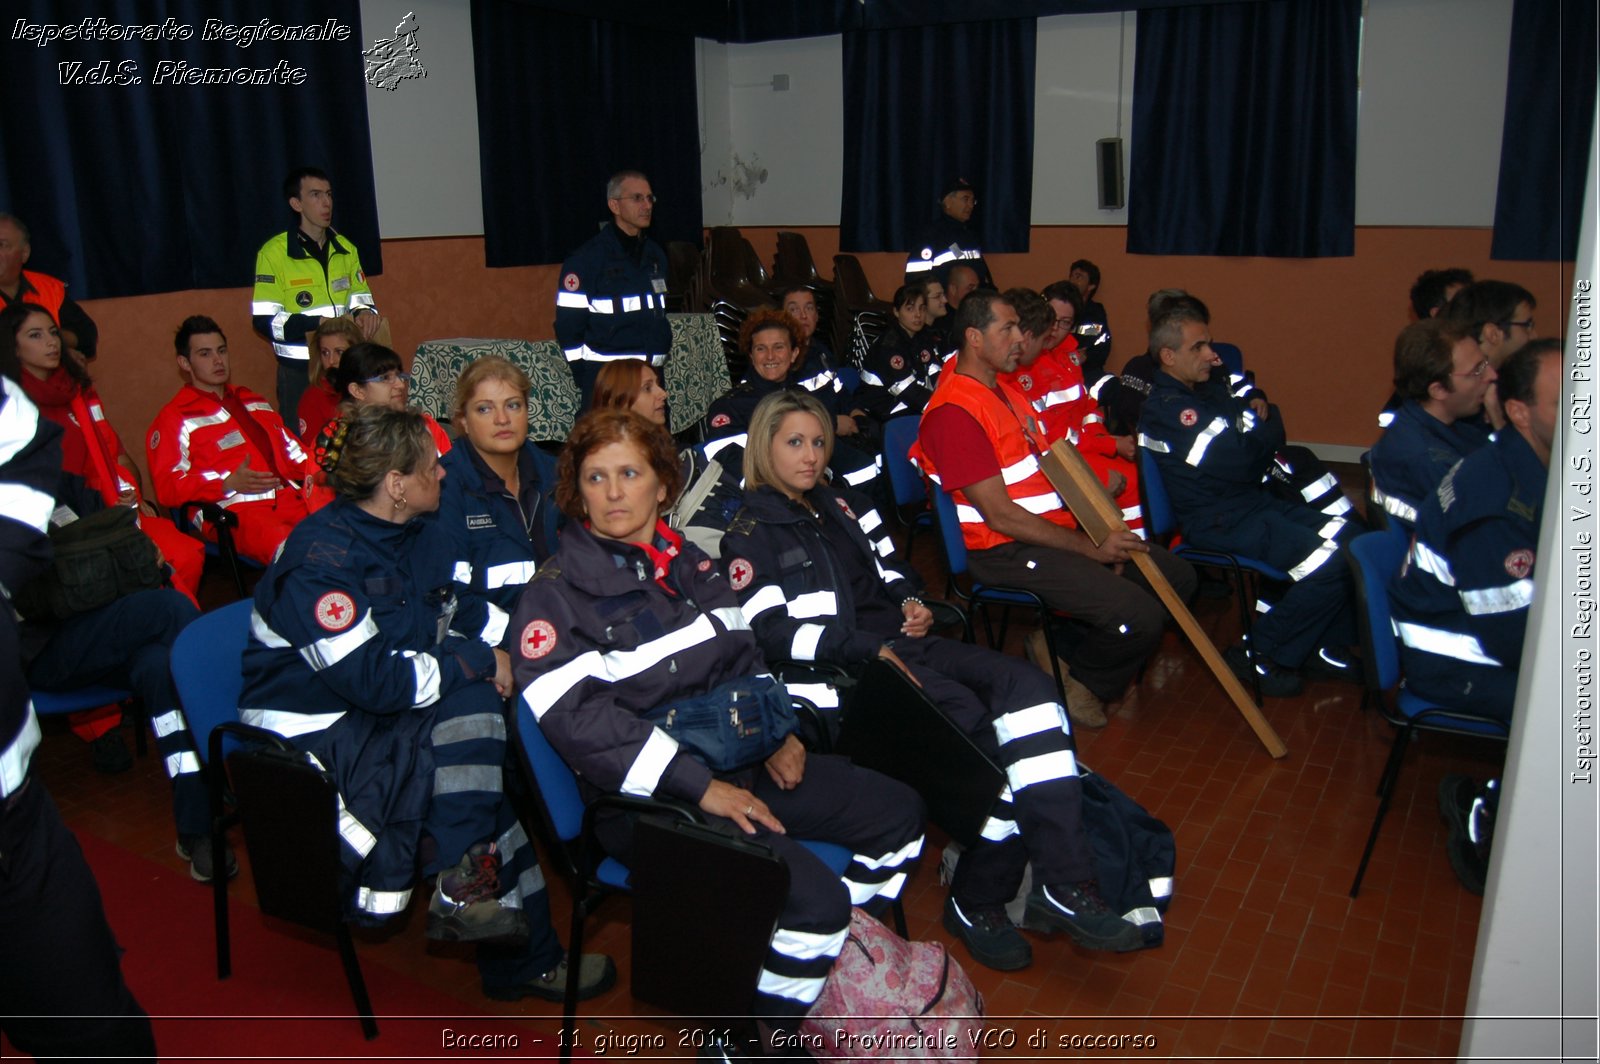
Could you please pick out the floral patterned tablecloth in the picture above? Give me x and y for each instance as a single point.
(696, 374)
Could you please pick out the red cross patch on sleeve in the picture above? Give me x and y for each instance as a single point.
(897, 362)
(1188, 417)
(335, 611)
(1519, 563)
(845, 507)
(570, 282)
(740, 573)
(719, 421)
(538, 639)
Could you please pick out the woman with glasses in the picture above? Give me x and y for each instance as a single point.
(371, 375)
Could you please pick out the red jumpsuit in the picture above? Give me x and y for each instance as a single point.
(196, 443)
(1054, 385)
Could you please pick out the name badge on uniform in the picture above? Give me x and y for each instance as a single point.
(659, 284)
(480, 521)
(232, 439)
(341, 284)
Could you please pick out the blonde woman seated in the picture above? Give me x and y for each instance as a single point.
(320, 403)
(627, 622)
(820, 581)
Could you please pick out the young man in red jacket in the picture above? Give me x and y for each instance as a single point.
(221, 444)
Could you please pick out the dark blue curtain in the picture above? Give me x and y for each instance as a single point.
(1544, 150)
(564, 102)
(1244, 130)
(925, 105)
(159, 187)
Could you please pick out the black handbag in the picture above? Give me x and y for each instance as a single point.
(95, 561)
(734, 725)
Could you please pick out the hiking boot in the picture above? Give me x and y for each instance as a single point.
(1083, 705)
(196, 849)
(1461, 806)
(596, 975)
(989, 935)
(110, 753)
(1276, 681)
(1330, 664)
(466, 905)
(1078, 909)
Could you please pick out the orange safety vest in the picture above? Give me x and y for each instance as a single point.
(1017, 449)
(47, 292)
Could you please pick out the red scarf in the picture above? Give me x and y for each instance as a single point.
(53, 396)
(660, 557)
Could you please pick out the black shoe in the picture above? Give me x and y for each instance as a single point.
(1276, 681)
(596, 975)
(1460, 806)
(1078, 909)
(1330, 664)
(989, 935)
(110, 753)
(196, 849)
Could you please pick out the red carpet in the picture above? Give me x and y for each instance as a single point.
(287, 998)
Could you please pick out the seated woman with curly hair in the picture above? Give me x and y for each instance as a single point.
(770, 339)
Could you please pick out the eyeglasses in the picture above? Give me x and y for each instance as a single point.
(1065, 323)
(1476, 371)
(638, 198)
(1524, 324)
(391, 378)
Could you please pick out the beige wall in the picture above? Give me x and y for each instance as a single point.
(1318, 332)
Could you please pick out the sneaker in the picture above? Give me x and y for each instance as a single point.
(1276, 681)
(1078, 909)
(989, 935)
(110, 753)
(1083, 705)
(196, 849)
(1460, 802)
(1330, 664)
(596, 975)
(466, 904)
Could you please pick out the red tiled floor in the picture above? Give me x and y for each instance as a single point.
(1261, 933)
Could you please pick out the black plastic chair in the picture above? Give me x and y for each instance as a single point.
(289, 807)
(566, 826)
(223, 522)
(792, 264)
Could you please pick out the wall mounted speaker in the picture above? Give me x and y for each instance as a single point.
(1108, 173)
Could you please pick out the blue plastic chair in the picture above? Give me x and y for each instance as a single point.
(1161, 522)
(981, 595)
(567, 827)
(850, 377)
(207, 671)
(56, 703)
(1376, 557)
(905, 481)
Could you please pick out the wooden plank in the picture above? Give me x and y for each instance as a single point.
(1099, 516)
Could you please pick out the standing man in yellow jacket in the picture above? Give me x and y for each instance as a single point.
(303, 275)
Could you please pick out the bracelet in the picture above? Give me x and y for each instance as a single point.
(912, 598)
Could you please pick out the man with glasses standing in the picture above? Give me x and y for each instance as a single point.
(1441, 376)
(611, 298)
(218, 443)
(303, 275)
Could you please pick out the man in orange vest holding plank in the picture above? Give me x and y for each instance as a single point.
(980, 441)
